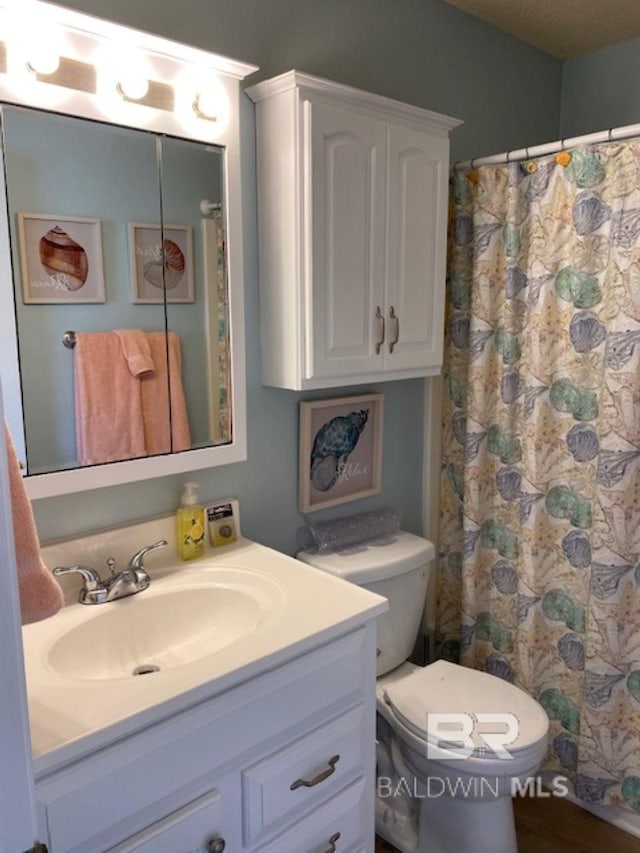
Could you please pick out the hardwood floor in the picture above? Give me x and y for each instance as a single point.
(557, 826)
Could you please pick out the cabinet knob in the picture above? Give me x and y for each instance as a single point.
(394, 316)
(216, 845)
(311, 783)
(332, 843)
(380, 317)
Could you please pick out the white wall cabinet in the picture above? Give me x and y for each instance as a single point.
(284, 762)
(352, 210)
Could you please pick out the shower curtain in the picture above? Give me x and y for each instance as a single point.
(540, 521)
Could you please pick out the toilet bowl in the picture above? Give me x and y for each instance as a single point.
(464, 802)
(444, 782)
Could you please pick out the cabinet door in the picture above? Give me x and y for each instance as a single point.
(417, 221)
(343, 240)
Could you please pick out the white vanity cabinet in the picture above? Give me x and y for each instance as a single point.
(352, 211)
(282, 762)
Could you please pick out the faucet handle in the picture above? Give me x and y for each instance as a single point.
(90, 577)
(93, 590)
(136, 562)
(111, 565)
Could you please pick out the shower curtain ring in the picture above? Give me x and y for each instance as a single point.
(610, 139)
(508, 156)
(562, 144)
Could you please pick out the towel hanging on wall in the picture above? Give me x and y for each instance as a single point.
(40, 594)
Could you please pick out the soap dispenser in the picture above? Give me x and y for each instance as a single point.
(190, 524)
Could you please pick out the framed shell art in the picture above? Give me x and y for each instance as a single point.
(60, 259)
(159, 258)
(340, 450)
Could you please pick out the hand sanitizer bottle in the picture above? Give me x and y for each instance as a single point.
(190, 524)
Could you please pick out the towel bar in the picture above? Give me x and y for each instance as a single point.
(69, 339)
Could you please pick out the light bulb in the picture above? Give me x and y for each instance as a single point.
(43, 58)
(133, 84)
(207, 104)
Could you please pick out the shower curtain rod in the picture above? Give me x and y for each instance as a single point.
(625, 132)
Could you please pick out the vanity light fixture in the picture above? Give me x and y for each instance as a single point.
(183, 90)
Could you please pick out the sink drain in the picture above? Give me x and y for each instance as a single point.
(146, 668)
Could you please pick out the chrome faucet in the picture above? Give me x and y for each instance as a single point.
(131, 580)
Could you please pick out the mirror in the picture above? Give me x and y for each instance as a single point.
(110, 229)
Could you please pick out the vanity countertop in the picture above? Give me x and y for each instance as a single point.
(73, 716)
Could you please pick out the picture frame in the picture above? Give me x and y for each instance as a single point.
(145, 262)
(60, 259)
(340, 450)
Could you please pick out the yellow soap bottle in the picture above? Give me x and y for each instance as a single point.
(190, 524)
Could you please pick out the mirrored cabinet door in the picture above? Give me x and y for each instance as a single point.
(73, 187)
(196, 284)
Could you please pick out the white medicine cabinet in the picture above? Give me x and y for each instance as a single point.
(352, 210)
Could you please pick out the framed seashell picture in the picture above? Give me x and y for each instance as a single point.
(60, 259)
(340, 450)
(161, 260)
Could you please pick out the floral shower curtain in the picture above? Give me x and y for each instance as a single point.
(540, 526)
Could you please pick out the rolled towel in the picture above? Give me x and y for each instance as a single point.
(40, 594)
(136, 351)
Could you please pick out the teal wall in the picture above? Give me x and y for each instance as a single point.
(424, 52)
(601, 89)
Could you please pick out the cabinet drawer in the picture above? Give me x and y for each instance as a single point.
(187, 830)
(106, 798)
(338, 825)
(287, 783)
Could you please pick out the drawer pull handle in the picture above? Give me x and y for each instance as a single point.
(216, 845)
(380, 316)
(332, 843)
(394, 316)
(305, 783)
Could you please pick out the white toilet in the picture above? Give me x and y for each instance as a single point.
(431, 800)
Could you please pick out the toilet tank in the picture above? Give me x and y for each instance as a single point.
(398, 567)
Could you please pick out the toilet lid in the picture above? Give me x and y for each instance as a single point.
(444, 687)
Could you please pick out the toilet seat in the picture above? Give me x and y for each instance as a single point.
(444, 687)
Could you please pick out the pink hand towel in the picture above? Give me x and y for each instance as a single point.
(155, 398)
(109, 423)
(40, 594)
(136, 351)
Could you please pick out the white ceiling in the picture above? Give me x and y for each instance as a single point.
(562, 28)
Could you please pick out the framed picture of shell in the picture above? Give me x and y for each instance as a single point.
(340, 450)
(159, 259)
(60, 259)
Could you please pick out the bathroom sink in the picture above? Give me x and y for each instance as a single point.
(201, 628)
(168, 626)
